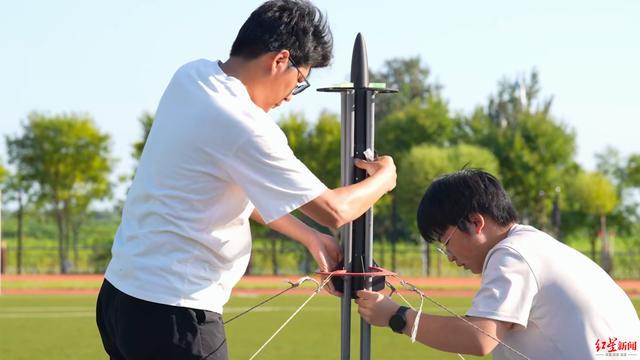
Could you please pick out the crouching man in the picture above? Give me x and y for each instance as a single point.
(540, 298)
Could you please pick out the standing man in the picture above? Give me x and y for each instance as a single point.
(213, 159)
(539, 297)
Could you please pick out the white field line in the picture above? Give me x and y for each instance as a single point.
(12, 309)
(49, 315)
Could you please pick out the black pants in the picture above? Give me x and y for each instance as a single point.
(135, 329)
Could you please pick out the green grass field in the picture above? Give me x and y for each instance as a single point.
(244, 285)
(63, 327)
(315, 332)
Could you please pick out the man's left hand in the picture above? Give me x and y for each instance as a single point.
(375, 308)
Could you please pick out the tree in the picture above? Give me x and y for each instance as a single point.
(516, 97)
(146, 121)
(424, 121)
(594, 195)
(410, 78)
(418, 123)
(317, 146)
(611, 163)
(624, 174)
(3, 172)
(20, 191)
(535, 152)
(67, 159)
(415, 115)
(633, 171)
(424, 163)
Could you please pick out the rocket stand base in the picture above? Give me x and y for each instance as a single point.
(358, 280)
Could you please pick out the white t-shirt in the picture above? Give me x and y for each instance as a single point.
(211, 155)
(561, 302)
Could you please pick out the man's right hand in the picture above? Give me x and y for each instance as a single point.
(327, 253)
(383, 165)
(334, 208)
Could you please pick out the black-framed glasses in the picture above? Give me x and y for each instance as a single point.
(302, 86)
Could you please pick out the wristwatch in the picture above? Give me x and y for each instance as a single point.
(398, 321)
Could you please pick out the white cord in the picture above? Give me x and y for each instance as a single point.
(415, 327)
(292, 316)
(416, 323)
(413, 288)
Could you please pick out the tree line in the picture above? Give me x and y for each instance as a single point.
(60, 164)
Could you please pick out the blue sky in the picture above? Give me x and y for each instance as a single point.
(112, 59)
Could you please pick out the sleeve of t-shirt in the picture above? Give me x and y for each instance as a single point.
(507, 289)
(267, 170)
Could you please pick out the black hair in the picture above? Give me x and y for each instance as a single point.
(450, 199)
(294, 25)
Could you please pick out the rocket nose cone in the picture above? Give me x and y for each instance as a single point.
(359, 63)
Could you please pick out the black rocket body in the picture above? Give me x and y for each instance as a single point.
(357, 141)
(363, 122)
(359, 64)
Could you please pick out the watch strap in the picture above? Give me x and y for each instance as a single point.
(400, 316)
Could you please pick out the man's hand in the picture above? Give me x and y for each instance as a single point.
(337, 207)
(323, 248)
(327, 253)
(375, 308)
(382, 165)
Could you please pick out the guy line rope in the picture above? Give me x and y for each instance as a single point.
(405, 285)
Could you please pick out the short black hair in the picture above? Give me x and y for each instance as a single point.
(450, 199)
(294, 25)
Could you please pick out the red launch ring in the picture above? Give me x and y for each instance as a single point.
(375, 271)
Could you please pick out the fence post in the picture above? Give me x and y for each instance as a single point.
(3, 256)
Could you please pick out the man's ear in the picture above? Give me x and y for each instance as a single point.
(477, 222)
(279, 61)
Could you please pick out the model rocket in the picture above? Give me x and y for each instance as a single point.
(357, 141)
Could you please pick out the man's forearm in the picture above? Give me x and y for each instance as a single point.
(337, 207)
(256, 216)
(355, 199)
(451, 334)
(289, 226)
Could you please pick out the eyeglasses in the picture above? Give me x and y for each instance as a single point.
(442, 247)
(302, 86)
